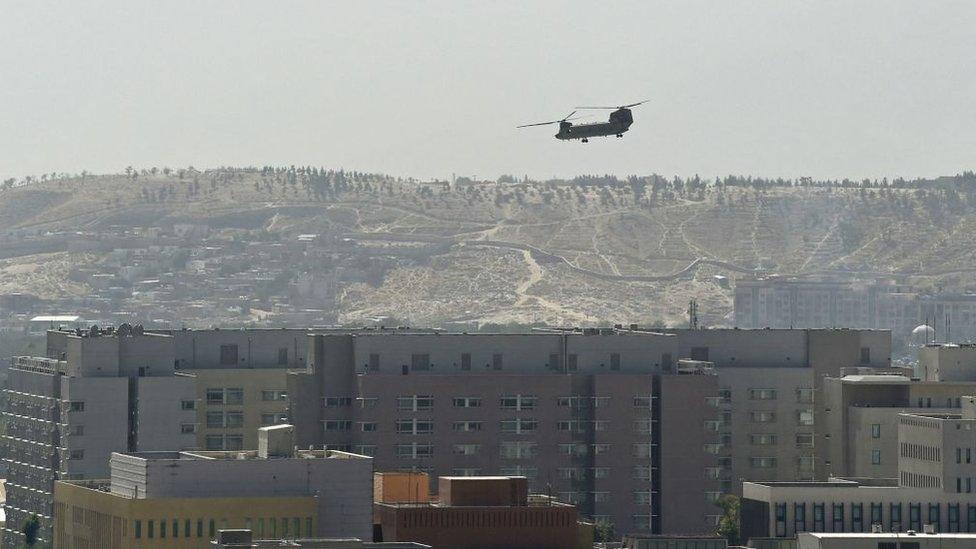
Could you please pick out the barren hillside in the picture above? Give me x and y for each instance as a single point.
(584, 251)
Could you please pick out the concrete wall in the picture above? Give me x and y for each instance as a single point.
(846, 495)
(111, 520)
(948, 363)
(343, 486)
(254, 382)
(160, 414)
(104, 421)
(684, 486)
(747, 348)
(200, 349)
(921, 541)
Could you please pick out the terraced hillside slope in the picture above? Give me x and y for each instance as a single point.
(584, 251)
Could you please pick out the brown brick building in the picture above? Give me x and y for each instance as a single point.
(604, 421)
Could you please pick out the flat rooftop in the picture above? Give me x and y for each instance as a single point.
(238, 455)
(890, 535)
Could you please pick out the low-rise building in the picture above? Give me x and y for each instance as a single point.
(884, 540)
(483, 513)
(180, 499)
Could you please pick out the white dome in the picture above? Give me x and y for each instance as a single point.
(923, 335)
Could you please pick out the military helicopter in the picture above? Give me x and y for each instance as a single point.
(619, 122)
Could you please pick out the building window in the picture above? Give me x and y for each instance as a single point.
(214, 442)
(496, 361)
(273, 418)
(368, 426)
(762, 394)
(188, 428)
(804, 440)
(894, 512)
(150, 529)
(953, 517)
(818, 517)
(804, 417)
(138, 529)
(762, 416)
(641, 522)
(642, 497)
(935, 516)
(338, 425)
(228, 355)
(467, 426)
(188, 405)
(799, 517)
(415, 403)
(76, 406)
(338, 402)
(215, 396)
(467, 402)
(413, 451)
(762, 462)
(876, 430)
(876, 517)
(466, 472)
(215, 420)
(234, 395)
(518, 450)
(234, 420)
(780, 520)
(414, 426)
(644, 473)
(76, 454)
(282, 356)
(915, 516)
(804, 395)
(518, 402)
(269, 395)
(465, 361)
(865, 355)
(762, 439)
(518, 426)
(857, 517)
(420, 362)
(614, 361)
(642, 426)
(838, 517)
(466, 449)
(234, 442)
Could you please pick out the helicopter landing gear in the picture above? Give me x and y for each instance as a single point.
(585, 140)
(620, 135)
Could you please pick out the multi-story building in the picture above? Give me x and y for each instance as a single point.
(181, 499)
(594, 415)
(604, 421)
(769, 381)
(66, 415)
(103, 391)
(933, 487)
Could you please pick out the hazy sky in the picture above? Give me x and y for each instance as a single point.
(776, 88)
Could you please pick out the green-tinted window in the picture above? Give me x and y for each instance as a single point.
(284, 528)
(138, 529)
(199, 528)
(162, 529)
(308, 528)
(296, 526)
(213, 528)
(260, 528)
(186, 528)
(151, 529)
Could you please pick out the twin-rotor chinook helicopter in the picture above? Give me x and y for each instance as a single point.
(619, 122)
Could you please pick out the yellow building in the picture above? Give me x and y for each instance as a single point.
(233, 403)
(87, 516)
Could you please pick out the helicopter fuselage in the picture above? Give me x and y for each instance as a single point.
(619, 122)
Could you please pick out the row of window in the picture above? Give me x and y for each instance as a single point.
(859, 522)
(421, 362)
(229, 355)
(800, 440)
(921, 452)
(518, 426)
(804, 395)
(277, 528)
(417, 403)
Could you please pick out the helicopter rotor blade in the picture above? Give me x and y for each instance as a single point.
(620, 107)
(539, 124)
(568, 117)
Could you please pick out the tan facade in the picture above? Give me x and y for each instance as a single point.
(232, 404)
(89, 518)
